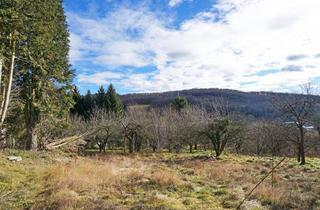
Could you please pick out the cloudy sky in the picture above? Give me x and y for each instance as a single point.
(161, 45)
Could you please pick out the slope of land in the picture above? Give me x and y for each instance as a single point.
(154, 181)
(255, 104)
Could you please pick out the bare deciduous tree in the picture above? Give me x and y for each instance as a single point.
(297, 110)
(6, 80)
(157, 129)
(136, 127)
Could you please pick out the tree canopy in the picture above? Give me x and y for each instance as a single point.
(180, 103)
(107, 101)
(36, 34)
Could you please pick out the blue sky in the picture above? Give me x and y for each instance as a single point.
(162, 45)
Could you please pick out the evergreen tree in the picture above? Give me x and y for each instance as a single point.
(77, 98)
(180, 103)
(109, 101)
(45, 75)
(88, 105)
(101, 99)
(11, 26)
(76, 94)
(114, 101)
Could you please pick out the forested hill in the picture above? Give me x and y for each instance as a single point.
(255, 104)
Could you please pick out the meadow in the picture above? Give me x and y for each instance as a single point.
(115, 180)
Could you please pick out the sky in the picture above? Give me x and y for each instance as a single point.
(164, 45)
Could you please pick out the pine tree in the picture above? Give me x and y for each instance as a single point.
(114, 101)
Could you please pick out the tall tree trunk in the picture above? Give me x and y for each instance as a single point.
(31, 120)
(158, 145)
(100, 145)
(302, 151)
(195, 146)
(217, 153)
(105, 148)
(138, 144)
(216, 149)
(3, 99)
(131, 145)
(154, 149)
(32, 143)
(303, 154)
(190, 148)
(1, 65)
(298, 154)
(8, 93)
(216, 145)
(124, 144)
(2, 87)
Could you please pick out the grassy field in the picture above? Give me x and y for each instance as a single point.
(154, 181)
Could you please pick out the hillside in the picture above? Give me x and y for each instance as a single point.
(255, 104)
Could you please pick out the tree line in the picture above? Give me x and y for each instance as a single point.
(182, 125)
(107, 101)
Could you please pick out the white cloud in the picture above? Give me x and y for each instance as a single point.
(113, 40)
(225, 49)
(101, 78)
(173, 3)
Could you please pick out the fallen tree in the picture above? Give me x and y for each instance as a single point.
(71, 139)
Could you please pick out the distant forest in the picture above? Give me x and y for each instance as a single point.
(252, 104)
(257, 105)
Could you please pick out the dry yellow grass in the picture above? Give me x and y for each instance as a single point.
(89, 183)
(82, 175)
(270, 195)
(156, 181)
(220, 171)
(165, 178)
